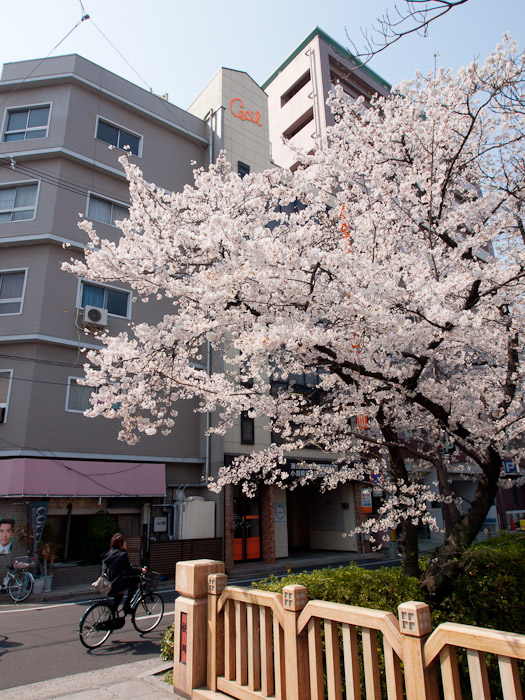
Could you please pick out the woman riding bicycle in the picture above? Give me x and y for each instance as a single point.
(120, 572)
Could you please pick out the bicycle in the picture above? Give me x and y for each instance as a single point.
(102, 617)
(19, 580)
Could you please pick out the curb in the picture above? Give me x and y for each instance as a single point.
(68, 686)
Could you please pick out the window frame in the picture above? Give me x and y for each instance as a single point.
(70, 380)
(243, 169)
(21, 108)
(21, 183)
(247, 429)
(108, 200)
(120, 127)
(4, 407)
(14, 299)
(82, 282)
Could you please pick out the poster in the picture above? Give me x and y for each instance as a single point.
(7, 528)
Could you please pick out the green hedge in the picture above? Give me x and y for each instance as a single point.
(382, 589)
(489, 591)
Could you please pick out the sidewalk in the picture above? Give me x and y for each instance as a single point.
(247, 570)
(136, 681)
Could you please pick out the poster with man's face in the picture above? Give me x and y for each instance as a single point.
(6, 535)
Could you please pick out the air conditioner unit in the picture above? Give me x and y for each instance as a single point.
(95, 316)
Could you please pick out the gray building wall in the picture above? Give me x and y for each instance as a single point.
(41, 345)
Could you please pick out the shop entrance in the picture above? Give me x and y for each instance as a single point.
(247, 526)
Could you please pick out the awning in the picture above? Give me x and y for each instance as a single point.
(72, 477)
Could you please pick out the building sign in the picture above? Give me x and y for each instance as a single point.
(160, 524)
(183, 636)
(279, 513)
(300, 469)
(246, 115)
(366, 500)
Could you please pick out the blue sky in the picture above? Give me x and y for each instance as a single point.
(176, 47)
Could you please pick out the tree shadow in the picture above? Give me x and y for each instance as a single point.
(6, 645)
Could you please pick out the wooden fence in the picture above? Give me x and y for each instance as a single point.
(256, 645)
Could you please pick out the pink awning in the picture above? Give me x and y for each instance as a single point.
(70, 477)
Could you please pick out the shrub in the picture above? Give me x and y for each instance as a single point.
(488, 592)
(166, 646)
(382, 589)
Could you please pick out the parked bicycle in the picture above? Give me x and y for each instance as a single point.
(19, 580)
(102, 617)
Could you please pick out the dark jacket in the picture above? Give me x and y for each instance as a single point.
(119, 569)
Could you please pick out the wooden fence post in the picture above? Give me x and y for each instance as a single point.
(415, 626)
(216, 585)
(189, 659)
(295, 648)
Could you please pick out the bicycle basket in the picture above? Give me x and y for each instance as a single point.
(151, 581)
(24, 564)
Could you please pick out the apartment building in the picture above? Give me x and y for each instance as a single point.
(298, 90)
(59, 117)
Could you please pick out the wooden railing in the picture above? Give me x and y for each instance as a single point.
(262, 645)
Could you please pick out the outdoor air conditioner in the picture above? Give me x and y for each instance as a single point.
(95, 316)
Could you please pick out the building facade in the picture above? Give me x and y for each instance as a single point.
(298, 91)
(56, 166)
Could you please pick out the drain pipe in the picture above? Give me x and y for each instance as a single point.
(209, 118)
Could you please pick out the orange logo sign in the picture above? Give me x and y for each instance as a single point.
(245, 114)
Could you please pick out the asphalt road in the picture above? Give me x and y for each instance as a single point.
(40, 642)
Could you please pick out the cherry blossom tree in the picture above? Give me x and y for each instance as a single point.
(389, 269)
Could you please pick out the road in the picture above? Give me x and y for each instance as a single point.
(40, 642)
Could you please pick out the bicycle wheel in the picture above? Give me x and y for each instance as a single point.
(95, 625)
(148, 612)
(20, 586)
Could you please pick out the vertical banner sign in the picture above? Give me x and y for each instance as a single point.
(183, 636)
(36, 519)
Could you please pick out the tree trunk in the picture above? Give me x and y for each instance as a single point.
(408, 543)
(408, 546)
(446, 562)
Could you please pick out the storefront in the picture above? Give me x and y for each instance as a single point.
(62, 497)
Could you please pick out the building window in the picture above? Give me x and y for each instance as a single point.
(299, 125)
(242, 169)
(27, 123)
(247, 429)
(303, 80)
(12, 284)
(18, 202)
(115, 301)
(78, 396)
(106, 211)
(120, 138)
(6, 376)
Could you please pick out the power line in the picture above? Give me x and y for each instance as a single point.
(120, 54)
(56, 181)
(19, 85)
(55, 363)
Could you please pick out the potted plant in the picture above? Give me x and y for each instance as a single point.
(47, 556)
